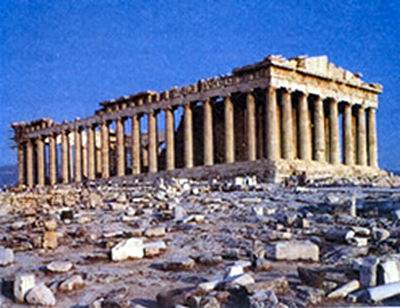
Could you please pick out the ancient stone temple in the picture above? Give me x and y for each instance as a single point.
(274, 118)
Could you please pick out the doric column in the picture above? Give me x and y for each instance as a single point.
(91, 158)
(105, 151)
(188, 127)
(361, 137)
(135, 144)
(208, 133)
(251, 127)
(29, 163)
(40, 161)
(78, 155)
(70, 156)
(348, 135)
(272, 142)
(64, 157)
(229, 131)
(53, 159)
(287, 129)
(120, 147)
(152, 142)
(333, 132)
(372, 138)
(319, 130)
(304, 128)
(169, 138)
(21, 164)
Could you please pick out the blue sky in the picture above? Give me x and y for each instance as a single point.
(61, 58)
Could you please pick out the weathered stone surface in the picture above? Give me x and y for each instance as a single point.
(389, 271)
(59, 266)
(154, 248)
(50, 240)
(130, 248)
(177, 263)
(368, 271)
(294, 250)
(40, 295)
(155, 232)
(73, 283)
(22, 284)
(6, 256)
(345, 289)
(377, 294)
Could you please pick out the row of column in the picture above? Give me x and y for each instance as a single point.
(278, 125)
(355, 136)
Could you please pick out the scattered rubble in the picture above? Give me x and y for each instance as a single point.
(237, 243)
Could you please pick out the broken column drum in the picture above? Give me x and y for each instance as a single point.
(278, 115)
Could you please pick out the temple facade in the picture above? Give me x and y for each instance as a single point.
(275, 117)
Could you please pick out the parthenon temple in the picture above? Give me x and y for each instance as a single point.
(275, 117)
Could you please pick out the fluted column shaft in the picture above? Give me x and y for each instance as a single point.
(334, 132)
(372, 138)
(304, 128)
(319, 130)
(169, 137)
(188, 128)
(91, 158)
(120, 147)
(105, 150)
(272, 142)
(29, 163)
(251, 127)
(287, 128)
(21, 164)
(53, 159)
(229, 131)
(40, 161)
(78, 155)
(135, 144)
(152, 139)
(361, 137)
(348, 136)
(64, 158)
(208, 133)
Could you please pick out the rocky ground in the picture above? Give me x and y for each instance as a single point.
(192, 244)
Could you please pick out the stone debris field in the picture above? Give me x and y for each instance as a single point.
(180, 243)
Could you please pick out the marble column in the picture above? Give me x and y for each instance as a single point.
(169, 139)
(319, 130)
(21, 164)
(53, 159)
(361, 137)
(251, 127)
(40, 161)
(272, 142)
(136, 144)
(152, 142)
(188, 128)
(105, 150)
(287, 128)
(120, 147)
(71, 156)
(372, 138)
(91, 158)
(78, 155)
(64, 157)
(334, 132)
(208, 133)
(29, 163)
(229, 130)
(348, 135)
(304, 128)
